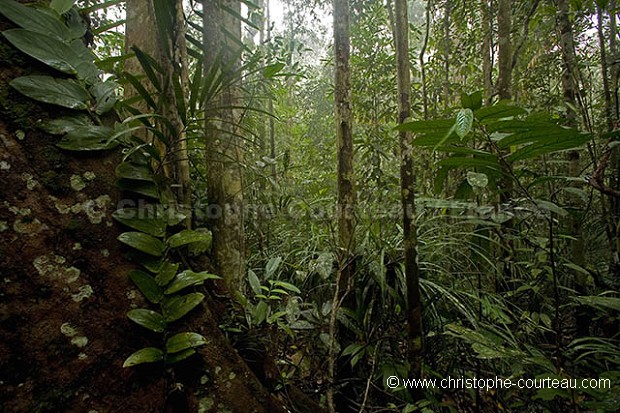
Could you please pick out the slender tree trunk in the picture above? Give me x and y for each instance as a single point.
(604, 68)
(570, 87)
(487, 63)
(614, 56)
(447, 51)
(427, 29)
(224, 155)
(171, 53)
(504, 18)
(407, 188)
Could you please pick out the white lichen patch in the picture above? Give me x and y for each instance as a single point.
(77, 184)
(4, 166)
(20, 134)
(61, 207)
(85, 291)
(51, 265)
(89, 175)
(83, 356)
(32, 226)
(79, 341)
(31, 183)
(24, 212)
(68, 330)
(77, 246)
(3, 226)
(95, 209)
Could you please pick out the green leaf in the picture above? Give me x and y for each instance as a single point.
(166, 273)
(130, 170)
(105, 95)
(272, 266)
(499, 111)
(143, 242)
(47, 49)
(287, 286)
(612, 303)
(60, 126)
(176, 307)
(150, 66)
(254, 282)
(62, 92)
(473, 101)
(476, 179)
(187, 236)
(143, 219)
(188, 278)
(61, 6)
(145, 355)
(139, 187)
(464, 122)
(551, 207)
(147, 285)
(176, 357)
(148, 319)
(272, 70)
(34, 20)
(88, 138)
(183, 341)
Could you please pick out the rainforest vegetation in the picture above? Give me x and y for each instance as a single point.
(309, 206)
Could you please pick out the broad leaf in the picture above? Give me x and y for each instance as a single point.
(188, 278)
(254, 282)
(60, 126)
(187, 236)
(183, 341)
(176, 307)
(34, 20)
(61, 6)
(88, 138)
(130, 170)
(145, 355)
(62, 92)
(272, 266)
(182, 355)
(143, 242)
(464, 122)
(48, 50)
(166, 273)
(139, 187)
(147, 285)
(148, 319)
(272, 70)
(143, 219)
(105, 94)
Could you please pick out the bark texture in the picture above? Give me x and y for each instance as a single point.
(407, 188)
(225, 147)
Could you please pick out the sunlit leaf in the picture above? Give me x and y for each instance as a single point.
(176, 307)
(183, 341)
(62, 92)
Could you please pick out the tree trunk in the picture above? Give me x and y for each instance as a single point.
(487, 62)
(604, 69)
(407, 188)
(65, 290)
(504, 19)
(224, 155)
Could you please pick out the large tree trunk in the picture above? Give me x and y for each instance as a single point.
(407, 188)
(487, 46)
(225, 151)
(65, 290)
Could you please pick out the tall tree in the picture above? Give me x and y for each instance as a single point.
(223, 140)
(487, 46)
(407, 188)
(168, 48)
(504, 24)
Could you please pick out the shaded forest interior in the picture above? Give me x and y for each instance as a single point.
(305, 206)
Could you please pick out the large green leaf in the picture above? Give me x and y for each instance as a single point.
(48, 50)
(145, 188)
(148, 319)
(188, 236)
(188, 278)
(88, 138)
(62, 92)
(183, 341)
(61, 6)
(176, 307)
(147, 285)
(34, 20)
(130, 170)
(166, 273)
(181, 355)
(105, 95)
(490, 114)
(145, 355)
(143, 219)
(62, 125)
(143, 242)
